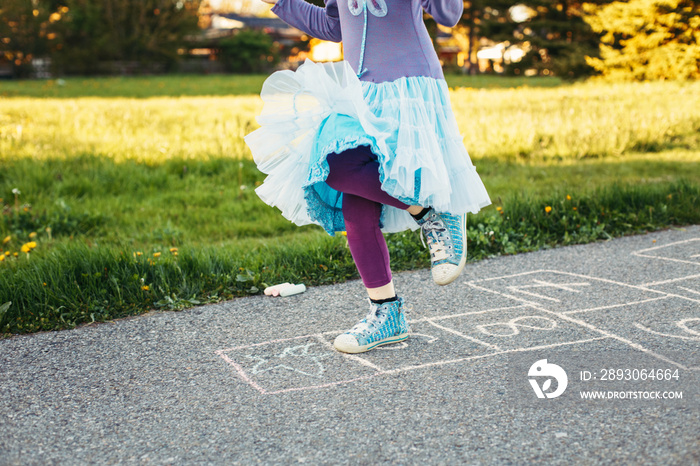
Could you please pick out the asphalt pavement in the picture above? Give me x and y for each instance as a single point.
(499, 370)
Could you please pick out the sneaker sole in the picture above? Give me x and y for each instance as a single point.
(361, 349)
(457, 269)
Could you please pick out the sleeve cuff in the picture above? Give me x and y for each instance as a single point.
(277, 6)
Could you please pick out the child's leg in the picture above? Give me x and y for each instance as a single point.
(386, 321)
(356, 171)
(367, 245)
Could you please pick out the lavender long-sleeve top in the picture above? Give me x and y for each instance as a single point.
(396, 42)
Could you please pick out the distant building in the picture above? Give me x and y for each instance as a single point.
(217, 25)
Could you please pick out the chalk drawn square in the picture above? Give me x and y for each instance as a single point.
(426, 346)
(519, 328)
(293, 364)
(565, 292)
(687, 252)
(669, 327)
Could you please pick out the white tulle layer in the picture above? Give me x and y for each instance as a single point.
(407, 123)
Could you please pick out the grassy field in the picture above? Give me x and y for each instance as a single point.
(199, 85)
(133, 203)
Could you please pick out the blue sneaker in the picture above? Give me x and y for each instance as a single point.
(446, 235)
(384, 324)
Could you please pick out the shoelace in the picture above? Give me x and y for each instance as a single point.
(433, 229)
(371, 322)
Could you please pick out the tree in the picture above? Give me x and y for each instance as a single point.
(556, 36)
(144, 31)
(248, 51)
(492, 21)
(78, 35)
(551, 31)
(647, 39)
(27, 29)
(466, 32)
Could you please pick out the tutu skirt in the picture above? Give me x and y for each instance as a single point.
(324, 108)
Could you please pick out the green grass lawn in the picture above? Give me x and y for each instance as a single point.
(142, 203)
(200, 85)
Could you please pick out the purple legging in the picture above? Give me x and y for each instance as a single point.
(355, 173)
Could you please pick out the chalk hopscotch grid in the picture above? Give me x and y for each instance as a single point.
(378, 371)
(566, 315)
(495, 349)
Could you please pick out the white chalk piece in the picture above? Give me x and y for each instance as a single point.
(292, 290)
(276, 291)
(269, 291)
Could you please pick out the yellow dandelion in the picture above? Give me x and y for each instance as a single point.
(575, 208)
(156, 254)
(32, 235)
(2, 257)
(16, 254)
(7, 253)
(25, 248)
(31, 244)
(7, 239)
(175, 253)
(44, 283)
(139, 253)
(568, 198)
(173, 250)
(548, 209)
(145, 288)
